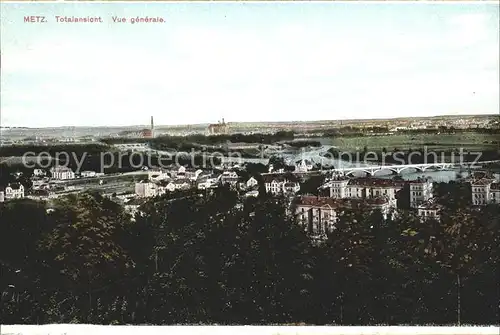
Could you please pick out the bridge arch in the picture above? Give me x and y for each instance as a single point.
(417, 168)
(382, 168)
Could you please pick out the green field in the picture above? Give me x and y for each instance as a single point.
(467, 141)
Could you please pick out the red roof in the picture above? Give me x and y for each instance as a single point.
(314, 201)
(376, 182)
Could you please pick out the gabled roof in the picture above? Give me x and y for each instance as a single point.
(430, 205)
(15, 186)
(278, 177)
(482, 182)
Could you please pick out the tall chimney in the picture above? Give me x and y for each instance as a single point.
(152, 127)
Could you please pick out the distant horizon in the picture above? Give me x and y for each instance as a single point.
(259, 122)
(246, 62)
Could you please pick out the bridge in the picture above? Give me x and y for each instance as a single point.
(397, 169)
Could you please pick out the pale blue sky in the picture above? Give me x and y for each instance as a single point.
(247, 62)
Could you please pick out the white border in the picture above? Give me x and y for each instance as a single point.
(475, 2)
(75, 329)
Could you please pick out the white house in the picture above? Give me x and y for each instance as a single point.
(484, 191)
(364, 188)
(178, 184)
(280, 183)
(429, 210)
(62, 173)
(14, 191)
(303, 165)
(229, 177)
(338, 187)
(208, 183)
(253, 193)
(146, 189)
(251, 182)
(318, 215)
(38, 173)
(88, 174)
(2, 196)
(420, 191)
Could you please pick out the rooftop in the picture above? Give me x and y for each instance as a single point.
(376, 182)
(279, 177)
(314, 201)
(430, 205)
(14, 186)
(482, 182)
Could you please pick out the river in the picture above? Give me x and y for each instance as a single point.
(316, 156)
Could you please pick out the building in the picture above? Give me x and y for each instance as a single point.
(253, 193)
(88, 174)
(229, 177)
(338, 187)
(38, 173)
(277, 183)
(62, 173)
(251, 182)
(318, 215)
(145, 189)
(2, 196)
(207, 182)
(484, 191)
(179, 184)
(186, 173)
(364, 188)
(495, 193)
(429, 210)
(218, 128)
(14, 191)
(132, 206)
(40, 183)
(420, 191)
(303, 165)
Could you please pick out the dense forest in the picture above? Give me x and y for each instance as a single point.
(213, 258)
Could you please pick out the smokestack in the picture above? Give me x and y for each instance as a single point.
(152, 127)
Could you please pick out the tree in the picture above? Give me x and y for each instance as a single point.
(84, 245)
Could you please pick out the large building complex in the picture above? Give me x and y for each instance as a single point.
(219, 128)
(485, 191)
(318, 215)
(364, 188)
